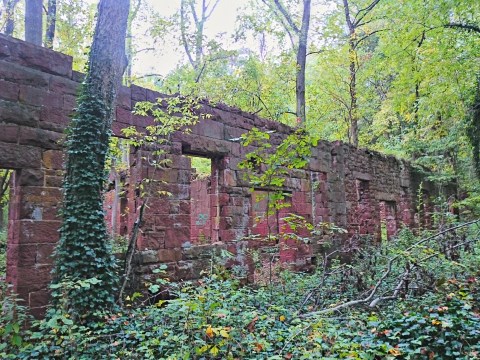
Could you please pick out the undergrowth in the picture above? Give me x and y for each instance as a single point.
(435, 316)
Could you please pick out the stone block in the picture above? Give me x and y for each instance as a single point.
(148, 257)
(19, 156)
(45, 139)
(56, 116)
(9, 91)
(38, 299)
(33, 232)
(152, 240)
(40, 97)
(33, 278)
(61, 85)
(176, 237)
(209, 128)
(77, 76)
(20, 75)
(169, 255)
(16, 113)
(232, 133)
(124, 98)
(31, 177)
(9, 132)
(45, 254)
(53, 181)
(37, 57)
(69, 102)
(123, 115)
(138, 94)
(52, 159)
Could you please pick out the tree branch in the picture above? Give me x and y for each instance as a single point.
(287, 16)
(365, 11)
(183, 33)
(467, 27)
(370, 298)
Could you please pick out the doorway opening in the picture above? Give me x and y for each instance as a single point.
(6, 179)
(116, 199)
(202, 202)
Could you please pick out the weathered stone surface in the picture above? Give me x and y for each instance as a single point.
(10, 90)
(14, 156)
(20, 75)
(41, 138)
(35, 57)
(15, 113)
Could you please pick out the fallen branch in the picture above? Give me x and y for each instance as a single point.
(371, 297)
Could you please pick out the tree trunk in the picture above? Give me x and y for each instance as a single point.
(353, 110)
(129, 43)
(51, 23)
(33, 21)
(84, 250)
(302, 61)
(354, 23)
(9, 6)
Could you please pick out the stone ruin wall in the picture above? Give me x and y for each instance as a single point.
(352, 188)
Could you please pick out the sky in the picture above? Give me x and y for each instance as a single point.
(222, 20)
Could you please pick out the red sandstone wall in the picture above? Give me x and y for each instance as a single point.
(342, 185)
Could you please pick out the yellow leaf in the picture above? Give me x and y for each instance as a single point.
(214, 351)
(203, 349)
(394, 352)
(209, 332)
(224, 333)
(282, 318)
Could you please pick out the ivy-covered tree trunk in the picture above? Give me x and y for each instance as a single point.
(85, 272)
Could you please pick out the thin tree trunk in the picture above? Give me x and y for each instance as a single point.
(353, 24)
(302, 61)
(129, 44)
(353, 110)
(33, 21)
(51, 23)
(9, 6)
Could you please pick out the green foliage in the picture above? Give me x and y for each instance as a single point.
(267, 166)
(13, 321)
(202, 166)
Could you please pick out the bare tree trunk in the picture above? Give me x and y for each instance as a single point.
(51, 23)
(353, 24)
(195, 50)
(302, 61)
(9, 6)
(129, 44)
(353, 109)
(33, 21)
(300, 47)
